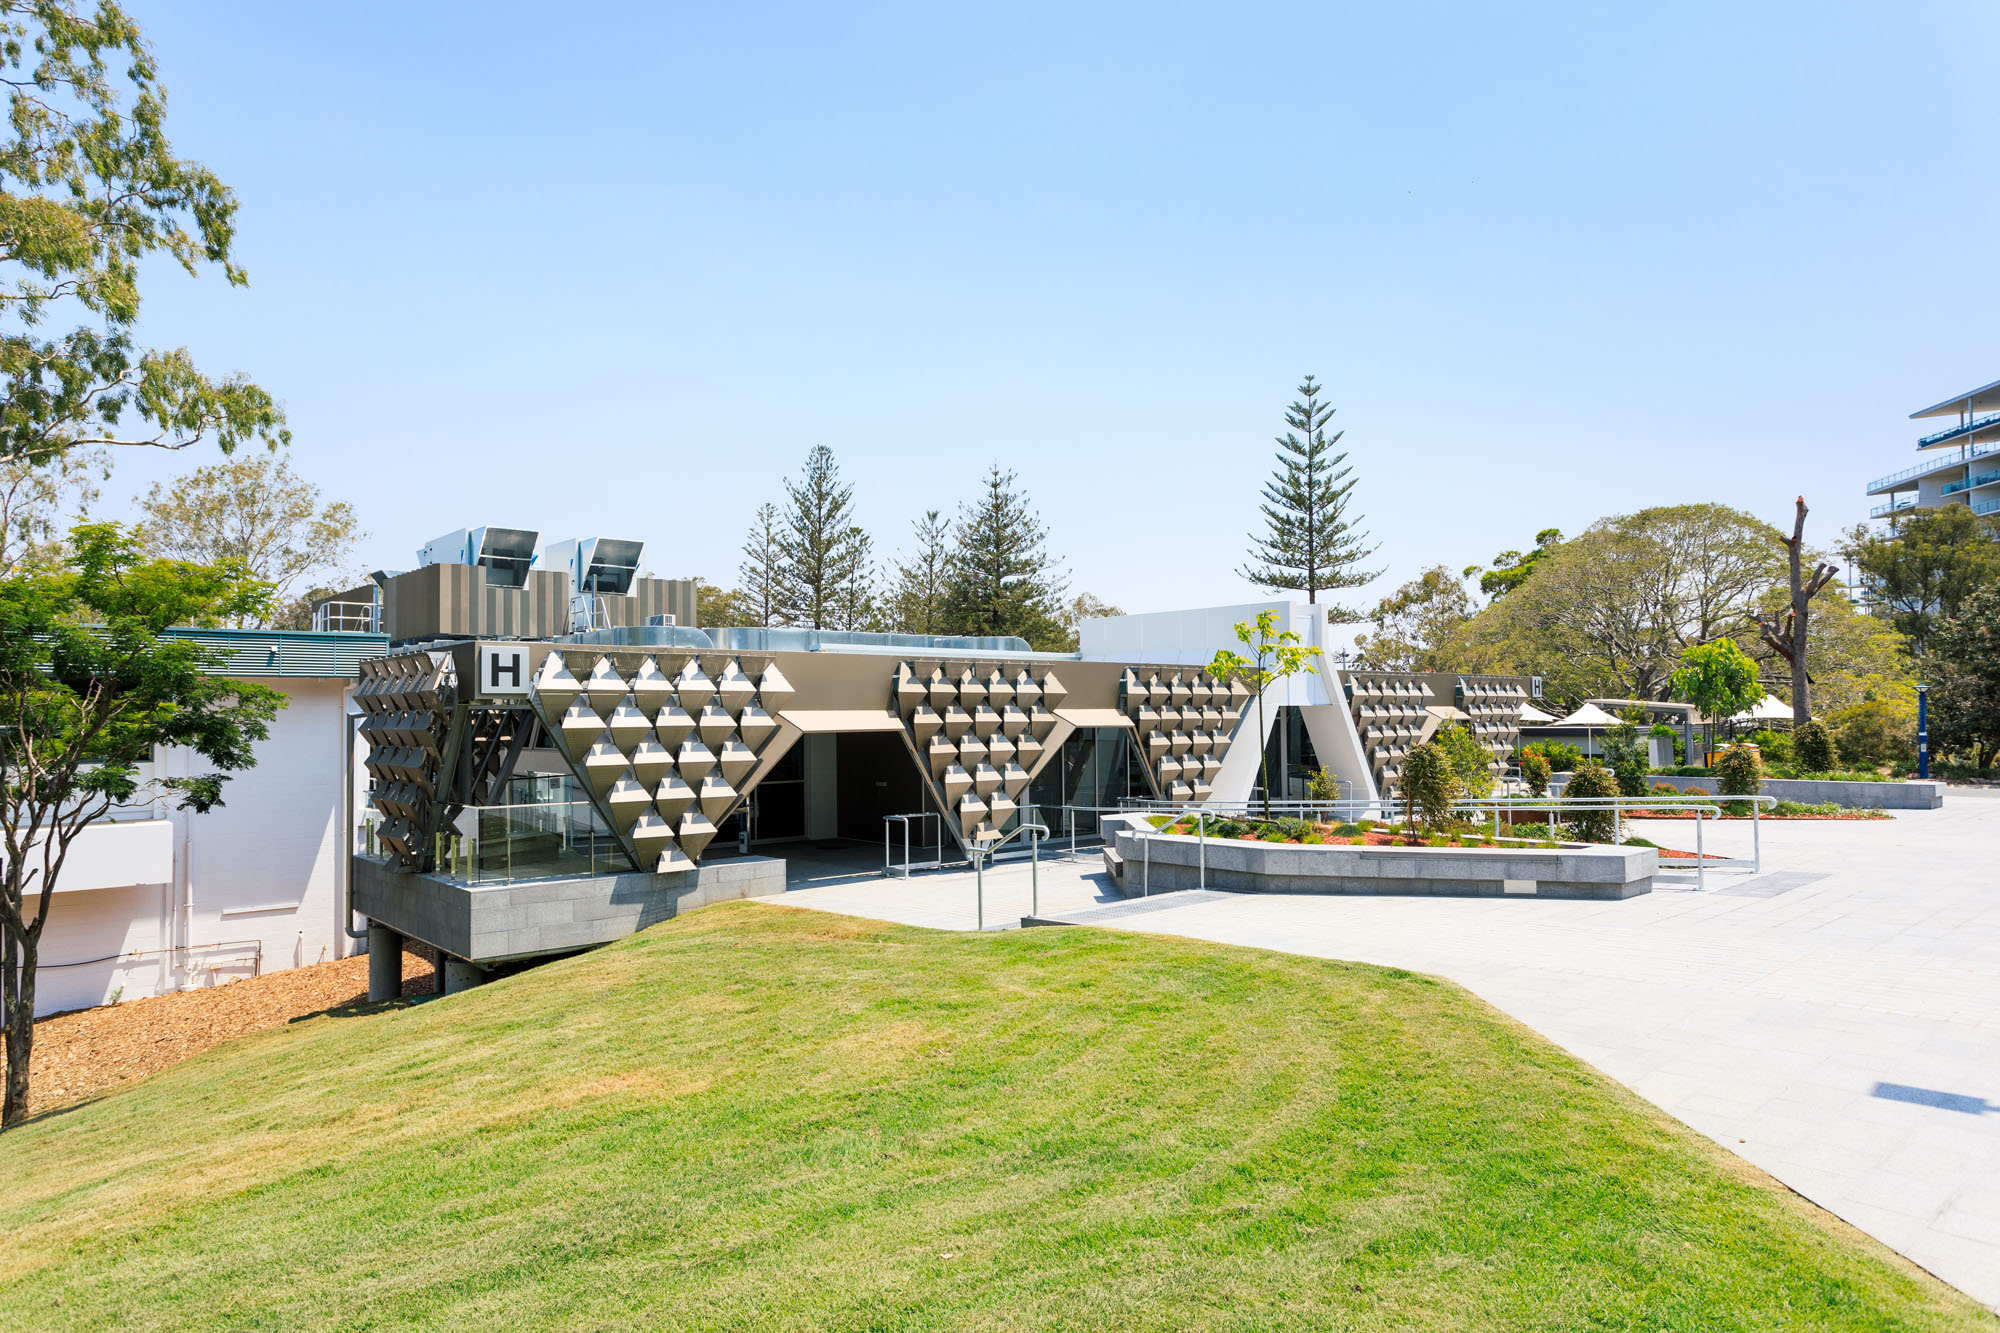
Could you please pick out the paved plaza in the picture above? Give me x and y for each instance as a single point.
(1834, 1019)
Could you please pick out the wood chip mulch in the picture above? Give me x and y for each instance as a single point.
(87, 1051)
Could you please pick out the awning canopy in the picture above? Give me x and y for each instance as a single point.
(1590, 715)
(1532, 716)
(1769, 709)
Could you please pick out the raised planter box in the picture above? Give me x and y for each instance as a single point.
(1469, 872)
(1853, 795)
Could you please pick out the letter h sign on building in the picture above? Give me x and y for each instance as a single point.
(503, 668)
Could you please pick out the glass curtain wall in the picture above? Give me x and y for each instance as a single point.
(1288, 756)
(1097, 767)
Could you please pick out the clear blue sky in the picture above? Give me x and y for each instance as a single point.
(615, 269)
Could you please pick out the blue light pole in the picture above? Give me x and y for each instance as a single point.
(1923, 732)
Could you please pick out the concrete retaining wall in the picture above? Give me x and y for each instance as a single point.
(1478, 872)
(1853, 795)
(489, 923)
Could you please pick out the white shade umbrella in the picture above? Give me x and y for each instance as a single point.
(1590, 715)
(1533, 716)
(1768, 709)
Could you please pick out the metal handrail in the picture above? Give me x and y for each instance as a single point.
(1962, 428)
(888, 867)
(981, 855)
(1970, 483)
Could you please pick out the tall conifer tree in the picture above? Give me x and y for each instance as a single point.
(820, 549)
(916, 596)
(758, 574)
(1311, 542)
(1003, 580)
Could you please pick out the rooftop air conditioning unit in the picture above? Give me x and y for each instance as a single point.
(505, 553)
(660, 622)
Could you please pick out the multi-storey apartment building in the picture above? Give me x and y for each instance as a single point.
(1960, 462)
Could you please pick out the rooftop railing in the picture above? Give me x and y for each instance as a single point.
(1963, 428)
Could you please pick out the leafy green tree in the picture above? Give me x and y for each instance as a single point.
(1084, 606)
(1535, 771)
(1470, 760)
(1719, 678)
(1609, 613)
(919, 582)
(758, 575)
(1411, 622)
(1311, 542)
(1923, 568)
(90, 188)
(1965, 693)
(1875, 732)
(1739, 771)
(256, 511)
(1003, 580)
(90, 687)
(1275, 655)
(1510, 569)
(35, 498)
(821, 550)
(721, 606)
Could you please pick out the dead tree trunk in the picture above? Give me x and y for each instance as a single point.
(1786, 633)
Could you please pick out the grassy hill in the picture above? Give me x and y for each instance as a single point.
(756, 1117)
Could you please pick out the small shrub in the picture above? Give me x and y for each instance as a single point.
(1692, 790)
(1294, 828)
(1592, 782)
(1638, 842)
(1812, 746)
(1738, 771)
(1429, 784)
(1535, 772)
(1350, 830)
(1665, 789)
(1776, 745)
(1228, 828)
(1562, 757)
(1874, 732)
(1322, 785)
(1313, 839)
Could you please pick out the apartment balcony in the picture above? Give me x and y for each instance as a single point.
(1884, 510)
(1972, 483)
(1986, 506)
(1971, 427)
(1924, 469)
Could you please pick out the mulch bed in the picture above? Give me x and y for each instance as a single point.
(85, 1052)
(1790, 819)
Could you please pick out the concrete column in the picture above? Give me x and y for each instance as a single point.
(385, 962)
(460, 975)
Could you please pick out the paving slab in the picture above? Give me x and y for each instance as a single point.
(1834, 1020)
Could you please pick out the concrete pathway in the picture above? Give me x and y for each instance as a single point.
(1835, 1020)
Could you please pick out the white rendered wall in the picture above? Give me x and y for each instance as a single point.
(264, 873)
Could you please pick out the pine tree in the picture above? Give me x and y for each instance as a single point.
(1003, 581)
(855, 606)
(758, 574)
(917, 591)
(818, 550)
(1311, 542)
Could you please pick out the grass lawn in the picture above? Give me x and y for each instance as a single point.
(758, 1117)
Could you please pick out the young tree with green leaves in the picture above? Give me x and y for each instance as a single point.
(91, 687)
(1003, 580)
(1720, 679)
(1275, 655)
(821, 550)
(1412, 622)
(254, 510)
(91, 189)
(1311, 541)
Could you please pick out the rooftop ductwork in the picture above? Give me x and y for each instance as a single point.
(605, 565)
(505, 553)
